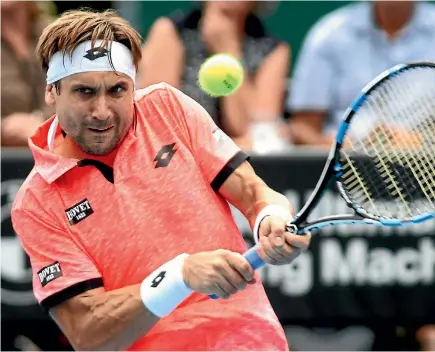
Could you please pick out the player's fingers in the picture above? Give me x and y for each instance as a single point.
(225, 284)
(220, 292)
(236, 279)
(277, 228)
(270, 250)
(279, 243)
(284, 248)
(268, 259)
(299, 241)
(239, 263)
(221, 267)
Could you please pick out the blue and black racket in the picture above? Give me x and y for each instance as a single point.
(383, 158)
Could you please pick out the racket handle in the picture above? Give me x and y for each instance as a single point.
(253, 258)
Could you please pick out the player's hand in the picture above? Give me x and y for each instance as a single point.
(278, 246)
(220, 272)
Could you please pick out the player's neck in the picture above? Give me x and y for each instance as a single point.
(66, 147)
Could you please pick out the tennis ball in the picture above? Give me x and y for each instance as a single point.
(220, 75)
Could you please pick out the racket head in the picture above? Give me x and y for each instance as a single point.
(383, 160)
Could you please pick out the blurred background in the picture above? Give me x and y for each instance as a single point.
(357, 288)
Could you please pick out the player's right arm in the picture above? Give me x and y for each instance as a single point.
(68, 285)
(100, 320)
(114, 320)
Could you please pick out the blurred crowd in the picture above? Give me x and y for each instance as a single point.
(278, 106)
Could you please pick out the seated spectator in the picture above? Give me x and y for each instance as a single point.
(177, 46)
(22, 91)
(344, 51)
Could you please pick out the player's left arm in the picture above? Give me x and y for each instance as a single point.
(226, 168)
(267, 212)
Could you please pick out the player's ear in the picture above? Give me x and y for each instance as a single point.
(49, 94)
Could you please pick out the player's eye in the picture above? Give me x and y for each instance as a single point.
(85, 90)
(119, 88)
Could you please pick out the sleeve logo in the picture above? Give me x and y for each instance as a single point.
(219, 136)
(79, 212)
(49, 273)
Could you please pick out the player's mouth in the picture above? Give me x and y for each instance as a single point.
(101, 129)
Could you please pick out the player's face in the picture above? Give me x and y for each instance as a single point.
(234, 7)
(95, 109)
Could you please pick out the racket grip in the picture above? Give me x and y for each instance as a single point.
(253, 258)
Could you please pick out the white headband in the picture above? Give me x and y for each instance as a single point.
(87, 59)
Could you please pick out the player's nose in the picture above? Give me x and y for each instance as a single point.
(101, 109)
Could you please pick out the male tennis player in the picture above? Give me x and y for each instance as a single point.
(125, 215)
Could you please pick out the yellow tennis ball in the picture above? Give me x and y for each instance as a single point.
(220, 75)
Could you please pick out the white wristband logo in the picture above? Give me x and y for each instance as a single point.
(164, 289)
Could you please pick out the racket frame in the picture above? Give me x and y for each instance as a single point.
(332, 171)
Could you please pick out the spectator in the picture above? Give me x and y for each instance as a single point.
(22, 91)
(344, 51)
(177, 46)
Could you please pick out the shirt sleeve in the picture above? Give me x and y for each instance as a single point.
(61, 270)
(313, 75)
(216, 153)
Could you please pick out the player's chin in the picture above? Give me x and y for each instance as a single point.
(100, 145)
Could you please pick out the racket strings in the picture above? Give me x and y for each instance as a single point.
(410, 141)
(423, 163)
(388, 159)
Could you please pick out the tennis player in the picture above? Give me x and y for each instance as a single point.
(125, 215)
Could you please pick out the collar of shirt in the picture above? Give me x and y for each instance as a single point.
(362, 18)
(52, 166)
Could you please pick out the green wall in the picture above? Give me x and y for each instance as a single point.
(290, 21)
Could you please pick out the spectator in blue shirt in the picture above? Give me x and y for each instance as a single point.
(344, 51)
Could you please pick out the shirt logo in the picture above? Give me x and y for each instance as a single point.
(96, 53)
(165, 155)
(49, 273)
(79, 212)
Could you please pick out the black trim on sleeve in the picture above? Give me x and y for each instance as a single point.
(228, 169)
(70, 292)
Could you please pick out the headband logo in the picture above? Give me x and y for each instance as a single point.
(96, 53)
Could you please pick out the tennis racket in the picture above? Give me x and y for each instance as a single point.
(383, 157)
